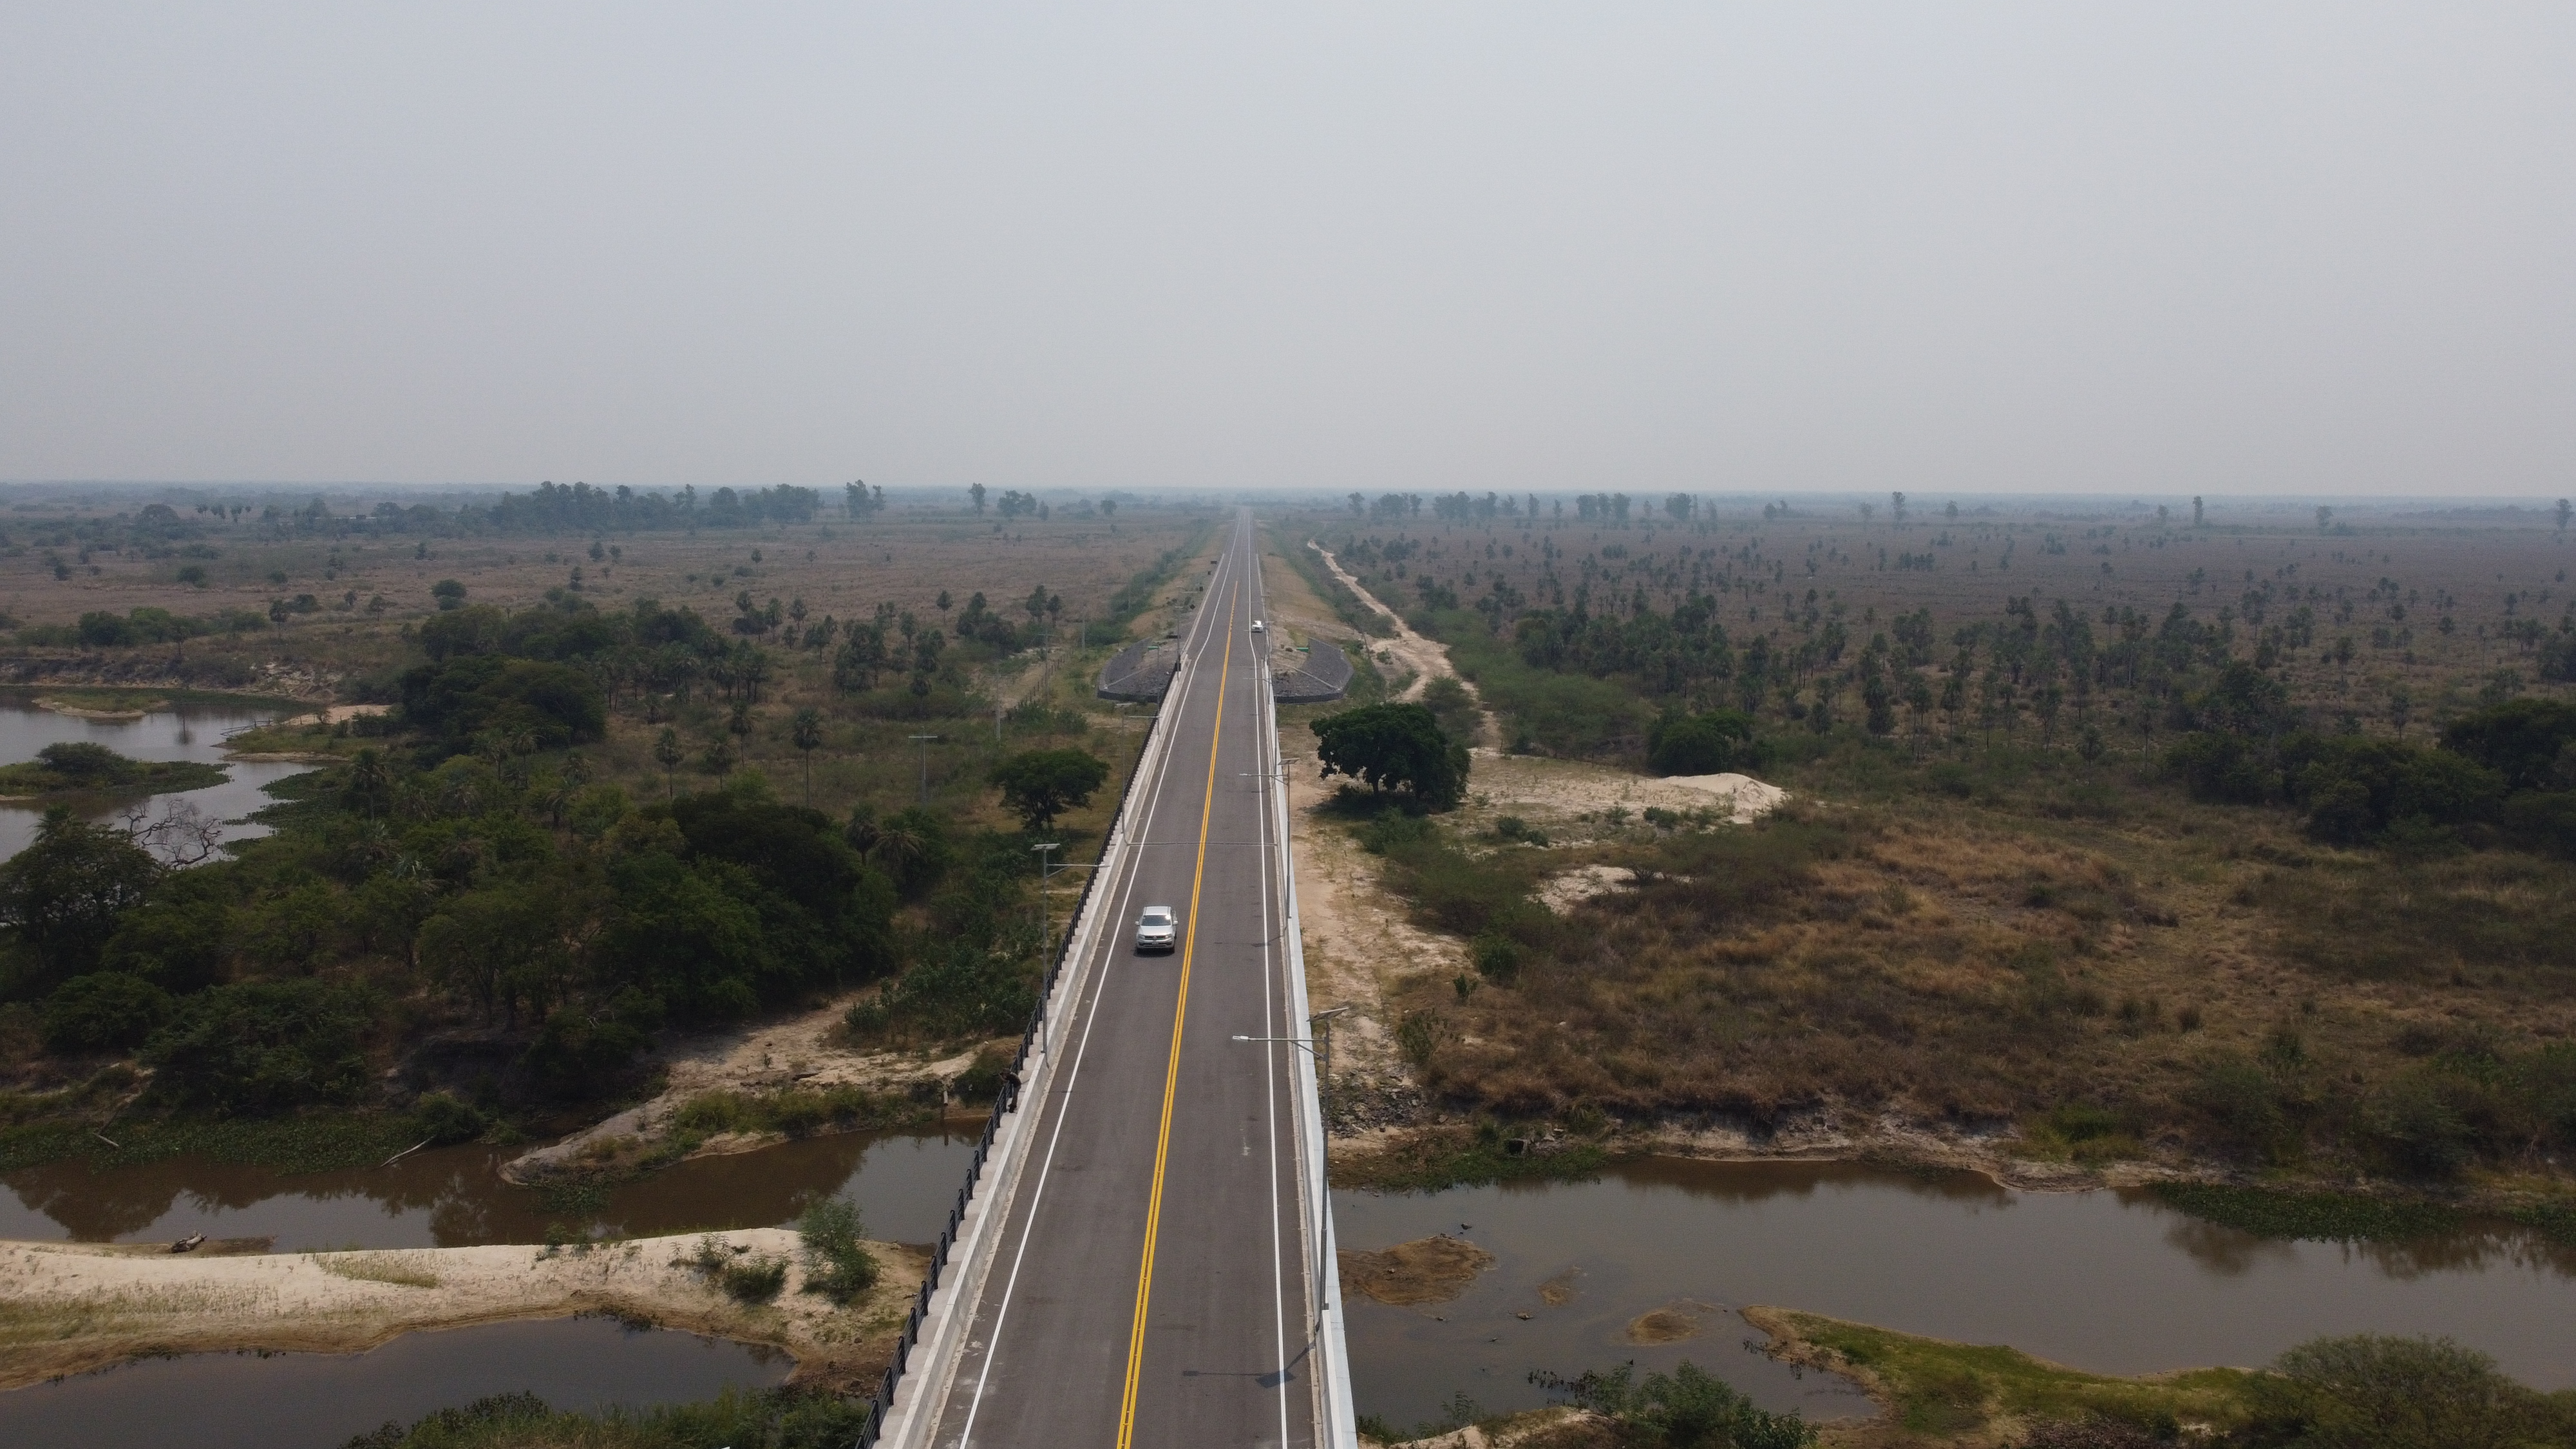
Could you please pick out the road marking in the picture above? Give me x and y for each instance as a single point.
(1099, 986)
(1172, 1072)
(1270, 1063)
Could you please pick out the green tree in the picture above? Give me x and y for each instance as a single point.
(63, 895)
(500, 947)
(1394, 747)
(806, 730)
(1701, 744)
(1039, 785)
(668, 754)
(2520, 739)
(263, 1046)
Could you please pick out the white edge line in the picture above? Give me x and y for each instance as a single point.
(922, 1395)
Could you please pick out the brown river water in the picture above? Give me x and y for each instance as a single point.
(2107, 1281)
(191, 732)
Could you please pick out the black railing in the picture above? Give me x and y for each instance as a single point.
(1003, 1102)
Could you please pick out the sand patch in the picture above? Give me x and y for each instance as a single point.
(73, 1307)
(1743, 798)
(800, 1051)
(335, 714)
(1574, 800)
(1558, 1291)
(1426, 1270)
(1563, 892)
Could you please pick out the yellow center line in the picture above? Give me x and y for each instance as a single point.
(1172, 1073)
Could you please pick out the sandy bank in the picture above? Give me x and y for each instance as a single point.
(69, 1308)
(801, 1052)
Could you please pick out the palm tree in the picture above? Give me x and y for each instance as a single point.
(368, 778)
(668, 753)
(807, 732)
(740, 727)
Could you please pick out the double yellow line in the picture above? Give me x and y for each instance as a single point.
(1172, 1073)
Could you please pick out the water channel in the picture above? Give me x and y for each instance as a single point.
(2109, 1281)
(2114, 1282)
(183, 732)
(318, 1400)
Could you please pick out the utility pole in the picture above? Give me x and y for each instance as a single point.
(924, 742)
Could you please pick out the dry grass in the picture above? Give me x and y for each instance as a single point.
(1989, 965)
(403, 1270)
(1427, 1270)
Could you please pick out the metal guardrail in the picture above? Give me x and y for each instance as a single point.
(882, 1402)
(1339, 1424)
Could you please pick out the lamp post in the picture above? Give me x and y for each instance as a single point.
(1307, 1045)
(1046, 870)
(924, 742)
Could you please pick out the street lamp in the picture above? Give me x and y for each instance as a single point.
(1307, 1044)
(924, 742)
(1046, 870)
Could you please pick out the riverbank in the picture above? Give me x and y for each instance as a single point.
(750, 1086)
(68, 1308)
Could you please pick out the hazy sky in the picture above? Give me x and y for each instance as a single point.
(2146, 248)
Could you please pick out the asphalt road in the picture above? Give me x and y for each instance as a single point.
(1151, 1284)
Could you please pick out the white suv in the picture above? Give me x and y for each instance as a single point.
(1158, 929)
(1256, 626)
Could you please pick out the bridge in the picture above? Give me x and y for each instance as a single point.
(1143, 1253)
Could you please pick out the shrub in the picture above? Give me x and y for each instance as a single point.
(1451, 704)
(2221, 768)
(1702, 744)
(837, 1263)
(745, 1275)
(1419, 1036)
(2411, 1122)
(444, 1119)
(1498, 958)
(1394, 828)
(1690, 1408)
(2242, 1100)
(957, 988)
(2369, 1391)
(575, 1057)
(102, 1010)
(784, 1418)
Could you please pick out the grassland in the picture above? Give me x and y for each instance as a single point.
(1997, 930)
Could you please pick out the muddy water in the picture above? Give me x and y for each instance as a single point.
(315, 1401)
(903, 1184)
(2113, 1282)
(189, 732)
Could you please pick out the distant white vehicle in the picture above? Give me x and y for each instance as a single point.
(1158, 929)
(1256, 626)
